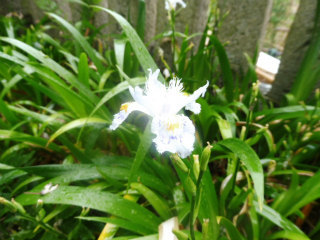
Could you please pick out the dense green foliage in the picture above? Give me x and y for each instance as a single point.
(58, 95)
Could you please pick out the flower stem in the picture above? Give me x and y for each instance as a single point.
(194, 205)
(191, 217)
(252, 103)
(173, 37)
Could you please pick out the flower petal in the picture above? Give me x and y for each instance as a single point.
(199, 92)
(154, 88)
(194, 107)
(182, 3)
(153, 95)
(125, 110)
(189, 101)
(174, 134)
(172, 4)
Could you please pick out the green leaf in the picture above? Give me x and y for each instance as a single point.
(14, 80)
(284, 113)
(143, 148)
(82, 41)
(9, 176)
(26, 182)
(131, 226)
(76, 103)
(49, 63)
(7, 113)
(98, 200)
(119, 49)
(225, 128)
(158, 204)
(138, 46)
(307, 193)
(28, 139)
(141, 22)
(116, 90)
(250, 159)
(225, 67)
(288, 235)
(231, 229)
(226, 187)
(275, 217)
(104, 79)
(149, 237)
(209, 206)
(83, 70)
(75, 124)
(113, 170)
(40, 56)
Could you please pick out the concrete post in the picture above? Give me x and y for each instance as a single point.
(243, 28)
(297, 43)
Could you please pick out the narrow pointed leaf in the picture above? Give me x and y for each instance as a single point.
(131, 226)
(138, 46)
(83, 70)
(81, 40)
(250, 159)
(76, 124)
(158, 204)
(98, 200)
(276, 218)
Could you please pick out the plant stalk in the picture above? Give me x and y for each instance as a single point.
(173, 38)
(194, 200)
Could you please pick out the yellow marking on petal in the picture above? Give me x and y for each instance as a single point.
(186, 94)
(172, 126)
(124, 107)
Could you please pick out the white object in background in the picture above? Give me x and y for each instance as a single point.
(166, 73)
(165, 229)
(266, 68)
(264, 88)
(268, 63)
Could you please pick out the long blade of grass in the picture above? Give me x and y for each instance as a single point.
(76, 124)
(138, 46)
(277, 219)
(225, 67)
(307, 193)
(288, 235)
(143, 148)
(131, 226)
(99, 200)
(28, 139)
(252, 162)
(209, 206)
(284, 113)
(82, 41)
(53, 65)
(116, 90)
(83, 70)
(74, 172)
(158, 204)
(231, 229)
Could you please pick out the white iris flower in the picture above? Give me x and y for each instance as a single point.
(172, 4)
(174, 132)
